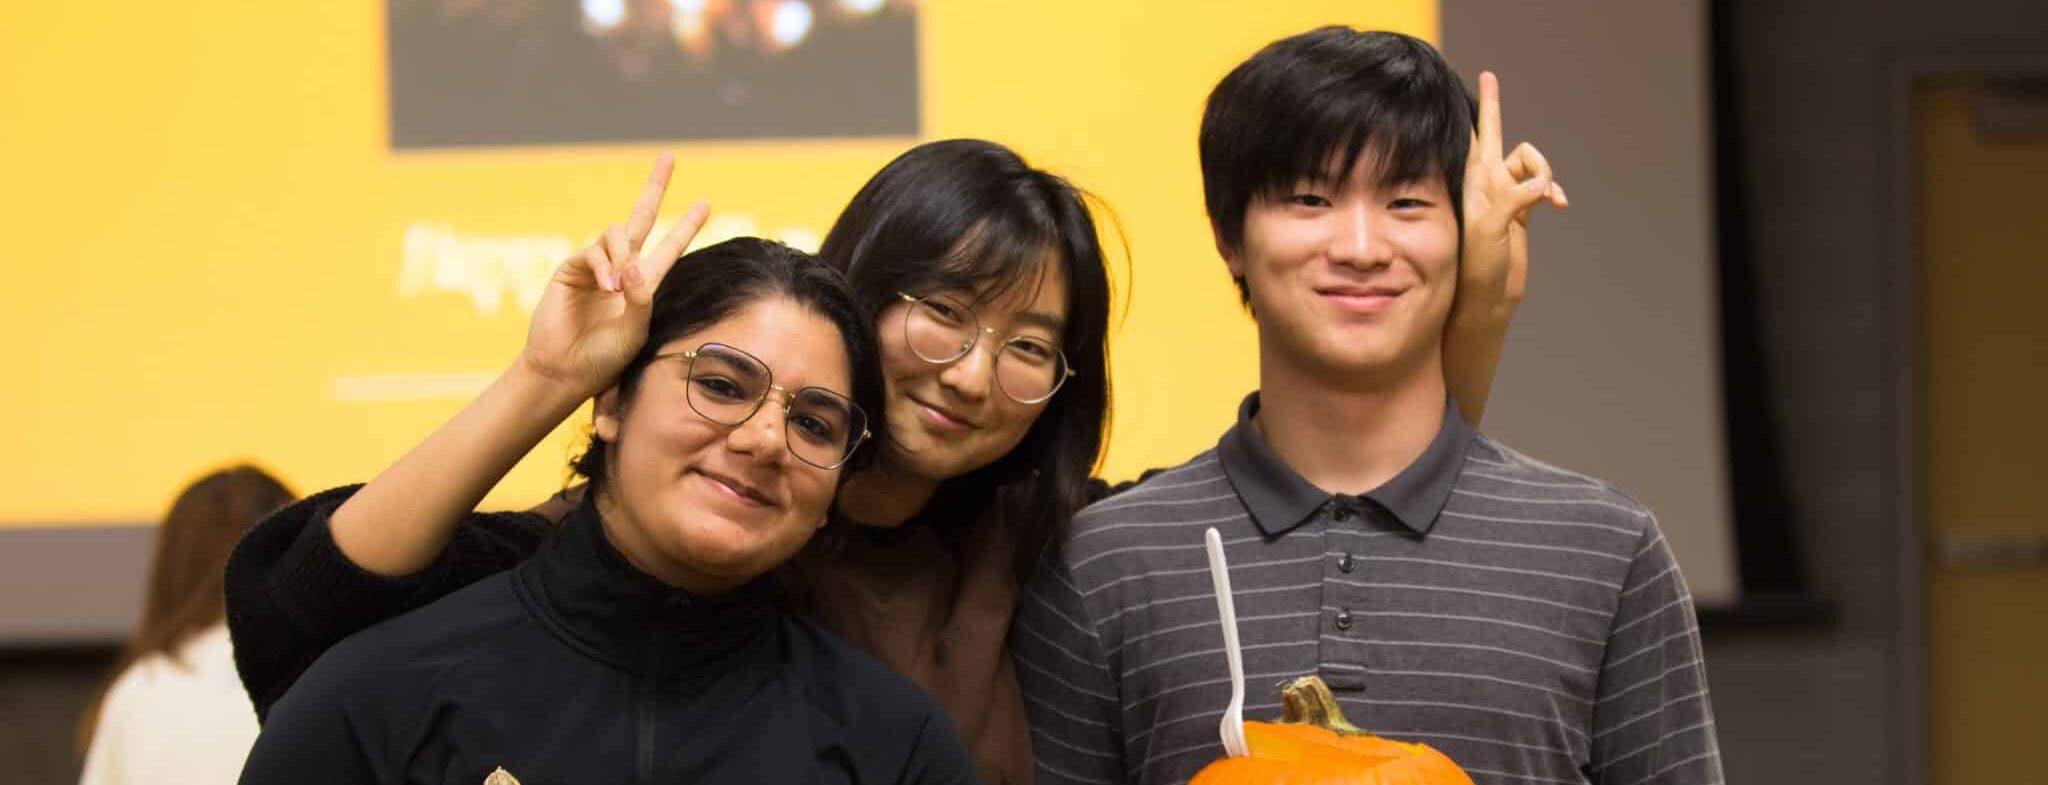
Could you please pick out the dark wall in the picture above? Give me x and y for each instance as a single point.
(68, 597)
(42, 693)
(1815, 703)
(1812, 95)
(1815, 168)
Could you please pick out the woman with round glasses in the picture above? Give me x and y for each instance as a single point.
(991, 300)
(644, 641)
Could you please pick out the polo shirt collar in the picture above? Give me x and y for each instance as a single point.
(1280, 500)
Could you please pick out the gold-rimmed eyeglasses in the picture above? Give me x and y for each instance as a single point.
(727, 386)
(941, 330)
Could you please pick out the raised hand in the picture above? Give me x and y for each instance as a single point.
(592, 319)
(1500, 192)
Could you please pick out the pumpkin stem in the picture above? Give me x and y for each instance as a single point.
(1307, 700)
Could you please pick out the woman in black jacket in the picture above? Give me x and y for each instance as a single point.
(643, 643)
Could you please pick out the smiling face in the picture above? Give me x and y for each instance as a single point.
(948, 419)
(707, 506)
(1351, 278)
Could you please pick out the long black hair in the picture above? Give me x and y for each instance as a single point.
(712, 283)
(967, 214)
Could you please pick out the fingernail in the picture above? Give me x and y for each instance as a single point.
(633, 274)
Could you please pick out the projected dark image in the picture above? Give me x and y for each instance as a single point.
(528, 72)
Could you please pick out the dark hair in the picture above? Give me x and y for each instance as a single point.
(971, 215)
(1332, 92)
(712, 283)
(187, 584)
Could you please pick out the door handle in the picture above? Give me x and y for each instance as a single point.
(1990, 551)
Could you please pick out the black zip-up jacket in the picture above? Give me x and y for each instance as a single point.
(576, 668)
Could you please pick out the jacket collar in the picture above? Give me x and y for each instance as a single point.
(588, 594)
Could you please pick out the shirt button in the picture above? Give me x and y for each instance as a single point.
(1343, 514)
(1344, 562)
(1344, 619)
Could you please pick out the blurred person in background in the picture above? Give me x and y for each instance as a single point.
(172, 709)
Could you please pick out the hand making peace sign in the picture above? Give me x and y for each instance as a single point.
(593, 317)
(1500, 192)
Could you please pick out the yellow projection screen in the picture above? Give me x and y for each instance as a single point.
(305, 233)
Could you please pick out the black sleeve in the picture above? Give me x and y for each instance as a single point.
(291, 594)
(349, 722)
(939, 757)
(310, 740)
(1100, 489)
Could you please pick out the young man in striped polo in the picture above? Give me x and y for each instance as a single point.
(1526, 620)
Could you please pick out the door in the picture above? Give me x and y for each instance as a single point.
(1982, 204)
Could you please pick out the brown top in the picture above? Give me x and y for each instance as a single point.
(936, 611)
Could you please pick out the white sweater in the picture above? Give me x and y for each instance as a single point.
(166, 721)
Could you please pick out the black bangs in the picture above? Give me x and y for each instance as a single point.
(1407, 143)
(1000, 258)
(1309, 106)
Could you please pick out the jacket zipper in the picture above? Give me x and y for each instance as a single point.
(649, 682)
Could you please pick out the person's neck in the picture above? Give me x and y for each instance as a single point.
(630, 540)
(1354, 436)
(882, 495)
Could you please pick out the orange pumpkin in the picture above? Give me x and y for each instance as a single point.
(1313, 745)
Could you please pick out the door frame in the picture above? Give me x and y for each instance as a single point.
(1902, 358)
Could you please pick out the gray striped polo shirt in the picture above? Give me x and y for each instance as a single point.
(1525, 620)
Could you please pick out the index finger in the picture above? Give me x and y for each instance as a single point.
(675, 242)
(1489, 113)
(649, 204)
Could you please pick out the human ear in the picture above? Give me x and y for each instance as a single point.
(607, 415)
